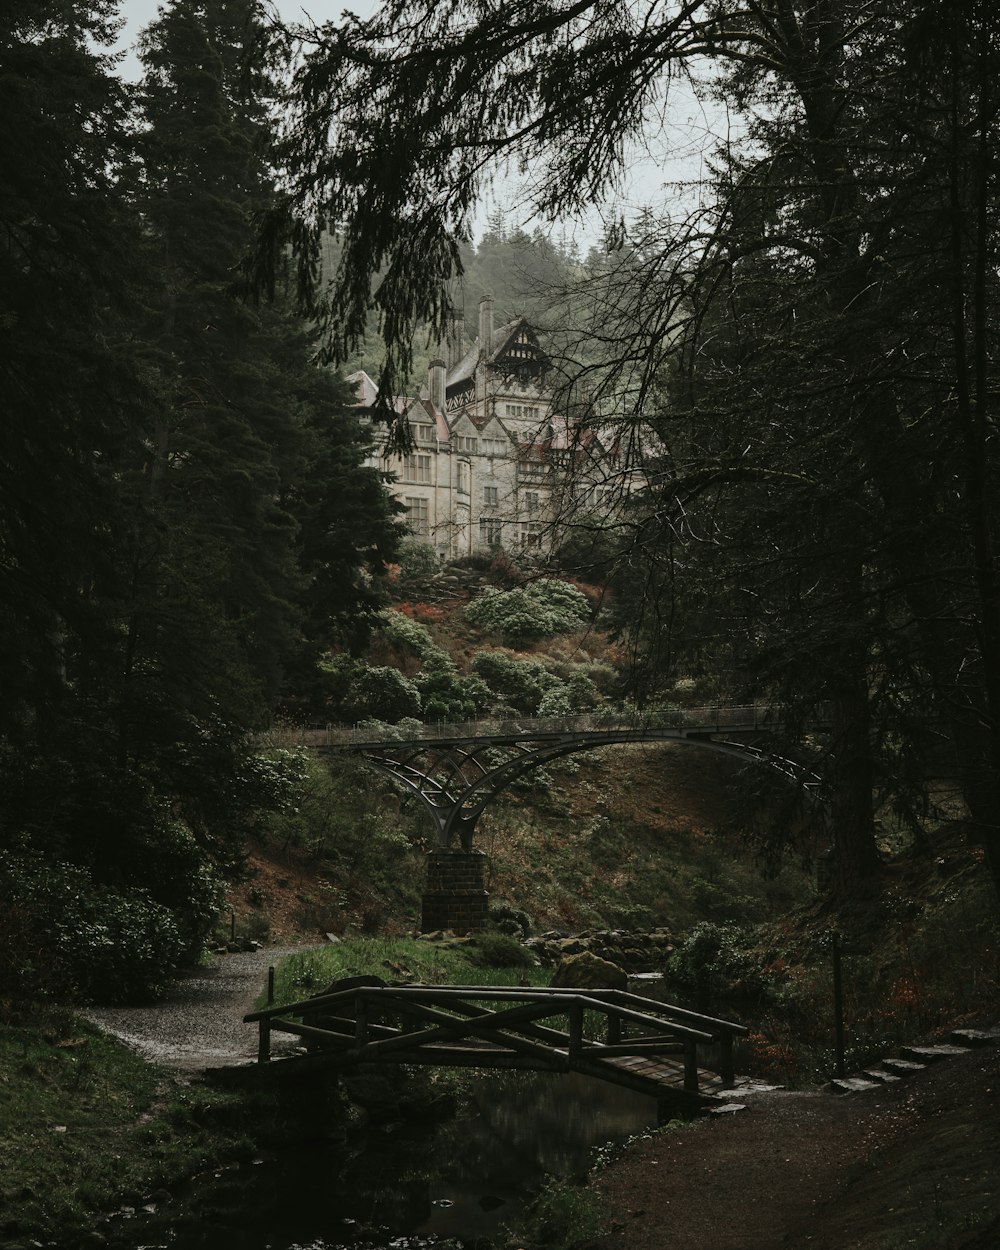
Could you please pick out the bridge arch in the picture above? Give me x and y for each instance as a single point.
(455, 773)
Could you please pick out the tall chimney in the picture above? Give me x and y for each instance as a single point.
(455, 339)
(486, 325)
(436, 373)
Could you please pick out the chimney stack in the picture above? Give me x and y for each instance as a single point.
(436, 374)
(455, 339)
(486, 325)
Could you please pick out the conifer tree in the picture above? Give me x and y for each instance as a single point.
(829, 305)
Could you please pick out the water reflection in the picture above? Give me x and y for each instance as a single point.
(405, 1187)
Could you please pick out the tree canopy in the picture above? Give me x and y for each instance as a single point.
(187, 521)
(805, 356)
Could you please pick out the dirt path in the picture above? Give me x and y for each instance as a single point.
(200, 1025)
(915, 1163)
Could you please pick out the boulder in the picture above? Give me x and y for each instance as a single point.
(587, 971)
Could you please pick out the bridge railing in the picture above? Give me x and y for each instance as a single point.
(709, 719)
(488, 1026)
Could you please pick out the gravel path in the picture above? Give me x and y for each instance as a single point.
(200, 1024)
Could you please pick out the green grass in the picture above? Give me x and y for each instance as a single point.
(87, 1125)
(393, 959)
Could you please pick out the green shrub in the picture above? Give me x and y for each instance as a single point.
(69, 937)
(562, 1216)
(417, 559)
(499, 950)
(410, 635)
(447, 695)
(519, 683)
(539, 610)
(510, 920)
(381, 693)
(165, 864)
(716, 962)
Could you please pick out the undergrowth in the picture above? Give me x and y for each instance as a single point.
(923, 961)
(406, 960)
(88, 1125)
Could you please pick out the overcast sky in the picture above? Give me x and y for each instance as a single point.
(675, 153)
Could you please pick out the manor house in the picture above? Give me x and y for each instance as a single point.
(492, 463)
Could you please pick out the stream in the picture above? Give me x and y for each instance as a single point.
(407, 1186)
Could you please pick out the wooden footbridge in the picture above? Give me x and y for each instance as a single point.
(650, 1047)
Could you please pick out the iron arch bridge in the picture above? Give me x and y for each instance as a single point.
(456, 770)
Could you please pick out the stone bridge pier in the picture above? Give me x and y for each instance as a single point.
(455, 896)
(456, 770)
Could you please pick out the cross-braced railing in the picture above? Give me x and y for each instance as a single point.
(595, 1032)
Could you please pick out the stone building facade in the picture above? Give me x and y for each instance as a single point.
(493, 464)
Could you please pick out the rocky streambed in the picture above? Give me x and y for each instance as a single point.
(635, 952)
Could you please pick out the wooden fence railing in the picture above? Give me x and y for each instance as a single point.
(592, 1031)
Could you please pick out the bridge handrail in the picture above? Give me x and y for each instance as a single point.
(486, 1026)
(620, 1000)
(713, 718)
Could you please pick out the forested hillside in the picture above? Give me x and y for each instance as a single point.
(801, 362)
(198, 557)
(186, 524)
(625, 837)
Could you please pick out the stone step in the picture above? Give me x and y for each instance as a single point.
(851, 1084)
(903, 1067)
(976, 1037)
(932, 1054)
(881, 1075)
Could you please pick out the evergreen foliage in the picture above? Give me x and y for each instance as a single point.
(186, 518)
(540, 609)
(519, 684)
(805, 359)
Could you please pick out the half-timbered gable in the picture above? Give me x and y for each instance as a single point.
(491, 461)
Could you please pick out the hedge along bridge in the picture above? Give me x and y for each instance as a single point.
(650, 1047)
(456, 770)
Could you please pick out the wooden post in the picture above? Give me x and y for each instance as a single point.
(575, 1029)
(614, 1030)
(361, 1023)
(270, 985)
(690, 1067)
(838, 1005)
(726, 1068)
(264, 1040)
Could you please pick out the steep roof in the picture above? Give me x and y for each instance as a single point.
(466, 367)
(364, 388)
(366, 391)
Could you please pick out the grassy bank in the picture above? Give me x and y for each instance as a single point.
(88, 1127)
(489, 959)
